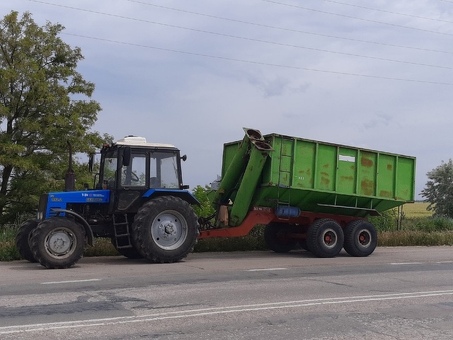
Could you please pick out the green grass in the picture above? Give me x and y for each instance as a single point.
(418, 228)
(415, 238)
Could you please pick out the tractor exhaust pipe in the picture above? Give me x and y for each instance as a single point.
(69, 180)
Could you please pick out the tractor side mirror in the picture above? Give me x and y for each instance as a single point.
(184, 158)
(126, 156)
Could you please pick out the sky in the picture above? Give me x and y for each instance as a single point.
(375, 75)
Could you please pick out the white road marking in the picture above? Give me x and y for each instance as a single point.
(411, 263)
(265, 269)
(404, 263)
(72, 281)
(216, 311)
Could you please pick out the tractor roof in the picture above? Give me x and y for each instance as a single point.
(141, 142)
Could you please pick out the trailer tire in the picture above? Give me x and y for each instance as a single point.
(165, 229)
(360, 238)
(276, 239)
(23, 240)
(325, 238)
(58, 243)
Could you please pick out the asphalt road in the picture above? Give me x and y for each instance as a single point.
(396, 293)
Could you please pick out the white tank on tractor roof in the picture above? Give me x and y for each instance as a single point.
(141, 141)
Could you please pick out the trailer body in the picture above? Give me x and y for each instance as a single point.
(323, 177)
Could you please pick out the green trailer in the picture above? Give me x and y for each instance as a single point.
(307, 192)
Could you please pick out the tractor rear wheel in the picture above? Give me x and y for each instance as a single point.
(360, 238)
(325, 238)
(23, 240)
(130, 253)
(165, 229)
(58, 242)
(277, 239)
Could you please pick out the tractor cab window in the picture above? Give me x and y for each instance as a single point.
(135, 173)
(109, 171)
(164, 170)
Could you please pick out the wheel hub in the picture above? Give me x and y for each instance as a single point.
(330, 238)
(364, 238)
(169, 229)
(59, 243)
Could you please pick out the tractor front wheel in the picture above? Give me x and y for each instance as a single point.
(165, 229)
(58, 242)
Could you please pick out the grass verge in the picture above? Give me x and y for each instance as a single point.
(416, 231)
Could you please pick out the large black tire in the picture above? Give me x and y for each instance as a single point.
(23, 240)
(58, 243)
(360, 238)
(325, 238)
(165, 229)
(277, 239)
(130, 253)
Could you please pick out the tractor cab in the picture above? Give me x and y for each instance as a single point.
(132, 168)
(134, 163)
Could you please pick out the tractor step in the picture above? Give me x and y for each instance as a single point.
(121, 231)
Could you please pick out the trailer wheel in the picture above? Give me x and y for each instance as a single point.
(325, 238)
(23, 240)
(165, 229)
(276, 238)
(360, 238)
(58, 242)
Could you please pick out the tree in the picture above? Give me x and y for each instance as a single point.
(439, 189)
(205, 208)
(43, 106)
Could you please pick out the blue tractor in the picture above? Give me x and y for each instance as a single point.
(139, 202)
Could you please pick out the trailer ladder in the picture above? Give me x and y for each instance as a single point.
(285, 168)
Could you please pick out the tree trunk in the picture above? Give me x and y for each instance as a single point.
(6, 174)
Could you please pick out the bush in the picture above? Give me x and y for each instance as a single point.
(433, 224)
(8, 251)
(385, 222)
(253, 241)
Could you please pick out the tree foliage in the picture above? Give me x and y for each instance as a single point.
(43, 105)
(439, 189)
(205, 208)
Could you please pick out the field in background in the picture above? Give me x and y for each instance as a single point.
(417, 209)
